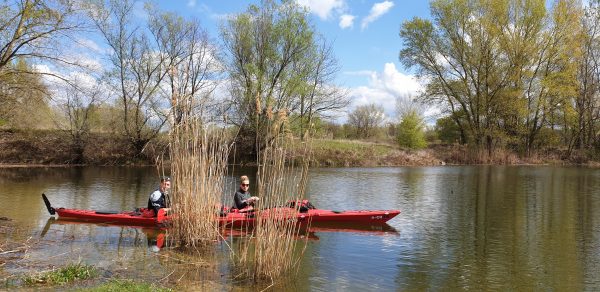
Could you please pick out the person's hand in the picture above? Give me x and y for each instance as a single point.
(254, 199)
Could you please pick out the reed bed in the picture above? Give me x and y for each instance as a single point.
(272, 252)
(198, 167)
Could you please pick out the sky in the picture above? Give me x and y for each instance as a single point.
(364, 36)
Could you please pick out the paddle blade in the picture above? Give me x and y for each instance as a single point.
(48, 206)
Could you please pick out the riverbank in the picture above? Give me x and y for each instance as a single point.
(53, 149)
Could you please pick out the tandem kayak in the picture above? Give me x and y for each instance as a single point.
(234, 218)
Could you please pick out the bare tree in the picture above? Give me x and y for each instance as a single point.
(79, 104)
(366, 118)
(138, 71)
(33, 29)
(588, 76)
(321, 98)
(31, 32)
(193, 60)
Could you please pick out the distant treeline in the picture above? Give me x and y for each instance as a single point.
(508, 76)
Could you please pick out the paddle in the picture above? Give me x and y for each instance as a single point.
(48, 206)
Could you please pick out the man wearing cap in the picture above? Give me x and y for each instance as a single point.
(158, 198)
(242, 198)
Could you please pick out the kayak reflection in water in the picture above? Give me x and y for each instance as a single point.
(242, 198)
(158, 199)
(156, 240)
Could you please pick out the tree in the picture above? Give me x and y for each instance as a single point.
(137, 72)
(411, 131)
(499, 68)
(32, 30)
(321, 99)
(585, 101)
(275, 65)
(194, 65)
(21, 95)
(447, 130)
(78, 106)
(366, 118)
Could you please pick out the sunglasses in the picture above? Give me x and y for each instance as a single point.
(245, 185)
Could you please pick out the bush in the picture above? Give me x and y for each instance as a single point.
(410, 131)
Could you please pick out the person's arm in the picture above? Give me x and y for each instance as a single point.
(239, 202)
(154, 197)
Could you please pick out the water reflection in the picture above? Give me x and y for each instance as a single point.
(461, 228)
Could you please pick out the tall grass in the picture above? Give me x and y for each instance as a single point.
(198, 155)
(271, 253)
(198, 167)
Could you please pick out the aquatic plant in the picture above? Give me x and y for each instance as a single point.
(126, 285)
(199, 156)
(271, 252)
(62, 275)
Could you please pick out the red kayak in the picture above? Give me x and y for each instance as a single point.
(303, 211)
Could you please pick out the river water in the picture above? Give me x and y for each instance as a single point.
(461, 227)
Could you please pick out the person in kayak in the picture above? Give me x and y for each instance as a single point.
(242, 198)
(158, 198)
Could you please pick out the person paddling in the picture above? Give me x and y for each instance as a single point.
(242, 198)
(158, 198)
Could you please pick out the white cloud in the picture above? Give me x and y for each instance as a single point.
(377, 11)
(322, 8)
(384, 88)
(203, 8)
(346, 21)
(191, 3)
(89, 44)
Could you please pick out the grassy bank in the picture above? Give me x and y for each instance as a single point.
(348, 153)
(52, 147)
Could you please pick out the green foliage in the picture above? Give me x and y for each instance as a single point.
(21, 95)
(126, 285)
(410, 131)
(501, 68)
(63, 275)
(447, 130)
(298, 123)
(276, 62)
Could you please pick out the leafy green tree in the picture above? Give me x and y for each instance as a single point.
(500, 68)
(275, 65)
(21, 95)
(447, 130)
(411, 131)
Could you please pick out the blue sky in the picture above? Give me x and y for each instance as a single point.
(364, 35)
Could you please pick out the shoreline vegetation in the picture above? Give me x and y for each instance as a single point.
(51, 148)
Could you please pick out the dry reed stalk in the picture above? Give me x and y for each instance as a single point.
(198, 166)
(272, 252)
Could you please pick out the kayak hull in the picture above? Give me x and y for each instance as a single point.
(234, 219)
(312, 216)
(123, 218)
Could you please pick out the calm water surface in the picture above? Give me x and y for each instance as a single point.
(468, 228)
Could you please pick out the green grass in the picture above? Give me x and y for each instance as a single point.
(351, 146)
(125, 285)
(62, 276)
